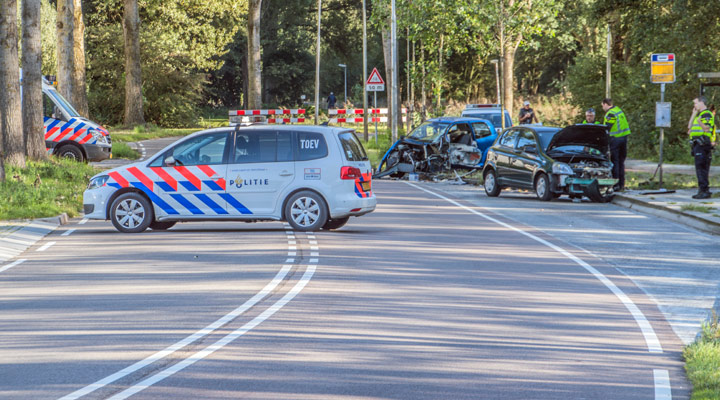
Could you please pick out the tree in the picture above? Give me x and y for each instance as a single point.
(65, 57)
(32, 101)
(254, 66)
(79, 90)
(13, 146)
(133, 74)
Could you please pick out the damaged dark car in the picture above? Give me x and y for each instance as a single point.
(552, 161)
(437, 145)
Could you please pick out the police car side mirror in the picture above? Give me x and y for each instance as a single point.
(169, 162)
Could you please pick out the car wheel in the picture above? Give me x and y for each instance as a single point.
(490, 183)
(336, 223)
(70, 152)
(542, 187)
(131, 213)
(162, 225)
(306, 211)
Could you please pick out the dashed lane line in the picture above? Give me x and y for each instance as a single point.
(46, 246)
(12, 264)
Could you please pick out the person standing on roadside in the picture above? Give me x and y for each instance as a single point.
(331, 100)
(527, 114)
(619, 129)
(590, 117)
(701, 129)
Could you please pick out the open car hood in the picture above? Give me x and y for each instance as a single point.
(595, 136)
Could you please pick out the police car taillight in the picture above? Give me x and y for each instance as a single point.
(350, 173)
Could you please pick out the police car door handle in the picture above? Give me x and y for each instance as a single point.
(286, 173)
(215, 177)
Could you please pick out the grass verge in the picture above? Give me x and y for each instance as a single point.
(702, 362)
(641, 181)
(44, 189)
(122, 150)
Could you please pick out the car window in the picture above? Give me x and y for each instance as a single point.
(526, 138)
(255, 146)
(492, 116)
(310, 146)
(428, 131)
(352, 147)
(50, 110)
(460, 133)
(481, 130)
(284, 146)
(208, 149)
(508, 138)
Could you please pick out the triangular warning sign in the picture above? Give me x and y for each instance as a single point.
(375, 78)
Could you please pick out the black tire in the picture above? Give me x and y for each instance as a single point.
(336, 223)
(131, 213)
(70, 152)
(542, 187)
(306, 211)
(490, 183)
(162, 225)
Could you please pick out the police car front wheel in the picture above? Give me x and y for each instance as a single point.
(306, 211)
(131, 213)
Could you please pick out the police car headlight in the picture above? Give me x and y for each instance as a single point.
(562, 169)
(98, 181)
(99, 136)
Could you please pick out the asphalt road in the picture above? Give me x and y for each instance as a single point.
(440, 293)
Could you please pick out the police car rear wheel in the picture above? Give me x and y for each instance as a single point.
(70, 152)
(335, 223)
(131, 213)
(306, 211)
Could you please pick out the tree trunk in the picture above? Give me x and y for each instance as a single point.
(13, 145)
(254, 56)
(508, 69)
(79, 97)
(133, 74)
(32, 101)
(65, 57)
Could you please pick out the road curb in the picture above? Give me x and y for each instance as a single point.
(20, 235)
(668, 213)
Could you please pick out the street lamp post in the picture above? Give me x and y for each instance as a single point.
(497, 78)
(344, 67)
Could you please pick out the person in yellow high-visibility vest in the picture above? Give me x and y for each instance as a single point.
(701, 129)
(619, 129)
(590, 117)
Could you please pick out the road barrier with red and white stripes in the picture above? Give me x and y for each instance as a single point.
(269, 116)
(359, 111)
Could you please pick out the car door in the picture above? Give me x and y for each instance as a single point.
(260, 169)
(189, 178)
(526, 159)
(505, 154)
(484, 137)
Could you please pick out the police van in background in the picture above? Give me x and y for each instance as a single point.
(313, 177)
(489, 112)
(67, 134)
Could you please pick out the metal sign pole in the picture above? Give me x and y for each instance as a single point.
(375, 107)
(662, 137)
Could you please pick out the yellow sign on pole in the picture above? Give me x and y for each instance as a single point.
(662, 68)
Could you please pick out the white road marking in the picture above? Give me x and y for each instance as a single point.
(12, 264)
(45, 246)
(651, 339)
(314, 248)
(292, 242)
(662, 384)
(313, 241)
(292, 253)
(83, 221)
(220, 343)
(313, 261)
(314, 254)
(188, 340)
(68, 232)
(290, 260)
(292, 247)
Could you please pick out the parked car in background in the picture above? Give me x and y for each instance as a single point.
(490, 112)
(439, 144)
(552, 162)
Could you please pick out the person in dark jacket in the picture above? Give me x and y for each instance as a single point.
(331, 100)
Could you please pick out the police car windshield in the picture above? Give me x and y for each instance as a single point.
(428, 131)
(62, 103)
(493, 117)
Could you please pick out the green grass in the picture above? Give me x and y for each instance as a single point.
(702, 362)
(121, 135)
(123, 150)
(641, 181)
(44, 189)
(697, 208)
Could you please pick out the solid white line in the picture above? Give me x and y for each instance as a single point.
(662, 384)
(45, 246)
(83, 221)
(220, 343)
(68, 232)
(13, 264)
(190, 339)
(651, 339)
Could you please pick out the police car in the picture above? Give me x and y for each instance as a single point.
(313, 177)
(491, 112)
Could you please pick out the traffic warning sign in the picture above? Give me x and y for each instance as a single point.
(375, 82)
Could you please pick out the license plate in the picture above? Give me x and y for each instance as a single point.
(366, 186)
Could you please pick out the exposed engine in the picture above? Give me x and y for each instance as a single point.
(589, 169)
(430, 158)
